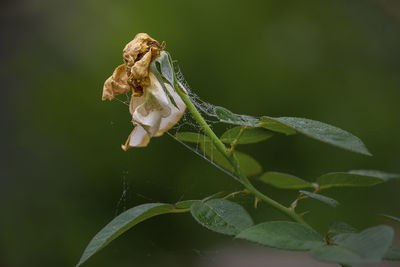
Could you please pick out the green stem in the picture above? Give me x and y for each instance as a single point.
(234, 143)
(232, 158)
(233, 194)
(180, 210)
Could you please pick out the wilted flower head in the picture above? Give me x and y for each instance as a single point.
(153, 112)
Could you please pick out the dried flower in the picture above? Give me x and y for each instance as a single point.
(153, 112)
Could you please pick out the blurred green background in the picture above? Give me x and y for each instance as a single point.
(64, 175)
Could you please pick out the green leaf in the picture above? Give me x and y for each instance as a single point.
(354, 178)
(248, 164)
(319, 131)
(273, 125)
(227, 116)
(249, 136)
(366, 247)
(192, 137)
(340, 255)
(282, 235)
(222, 216)
(284, 181)
(341, 228)
(121, 224)
(166, 67)
(393, 218)
(375, 173)
(326, 200)
(185, 204)
(393, 254)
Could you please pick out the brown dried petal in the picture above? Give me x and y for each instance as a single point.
(140, 44)
(140, 69)
(117, 84)
(138, 54)
(135, 47)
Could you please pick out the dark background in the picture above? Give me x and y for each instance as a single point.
(64, 176)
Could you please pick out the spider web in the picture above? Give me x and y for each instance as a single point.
(188, 124)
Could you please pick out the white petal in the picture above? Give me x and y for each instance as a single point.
(176, 113)
(138, 138)
(150, 121)
(155, 106)
(158, 93)
(153, 113)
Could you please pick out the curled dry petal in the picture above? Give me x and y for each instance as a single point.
(136, 48)
(117, 84)
(138, 54)
(140, 70)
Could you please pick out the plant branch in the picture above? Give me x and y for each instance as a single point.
(234, 143)
(233, 194)
(232, 158)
